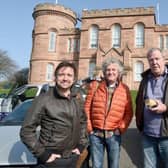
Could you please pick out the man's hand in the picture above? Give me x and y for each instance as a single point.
(160, 108)
(53, 157)
(117, 132)
(76, 151)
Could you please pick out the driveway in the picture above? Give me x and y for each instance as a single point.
(131, 151)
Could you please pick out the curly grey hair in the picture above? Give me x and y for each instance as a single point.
(113, 60)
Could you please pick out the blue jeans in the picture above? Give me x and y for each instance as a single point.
(155, 151)
(97, 148)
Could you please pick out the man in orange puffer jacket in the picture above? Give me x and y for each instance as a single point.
(109, 111)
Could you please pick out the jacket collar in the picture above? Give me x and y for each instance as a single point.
(104, 83)
(148, 71)
(59, 95)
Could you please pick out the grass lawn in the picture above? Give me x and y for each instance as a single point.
(133, 95)
(4, 91)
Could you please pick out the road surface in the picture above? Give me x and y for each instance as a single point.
(131, 151)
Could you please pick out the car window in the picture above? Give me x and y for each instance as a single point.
(16, 117)
(31, 92)
(45, 88)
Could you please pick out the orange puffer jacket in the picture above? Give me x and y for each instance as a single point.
(120, 113)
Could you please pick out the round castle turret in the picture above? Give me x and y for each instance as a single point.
(48, 18)
(53, 15)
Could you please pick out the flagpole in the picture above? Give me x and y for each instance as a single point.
(157, 7)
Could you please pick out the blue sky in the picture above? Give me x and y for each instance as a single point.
(16, 22)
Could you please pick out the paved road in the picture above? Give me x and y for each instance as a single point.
(131, 151)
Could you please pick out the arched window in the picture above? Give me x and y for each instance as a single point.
(166, 41)
(50, 71)
(92, 66)
(161, 42)
(139, 35)
(116, 36)
(94, 36)
(139, 68)
(52, 41)
(73, 45)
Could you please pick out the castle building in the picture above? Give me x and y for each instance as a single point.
(126, 34)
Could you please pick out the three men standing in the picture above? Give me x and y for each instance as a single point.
(109, 111)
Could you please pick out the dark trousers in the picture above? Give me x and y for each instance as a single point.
(60, 163)
(86, 162)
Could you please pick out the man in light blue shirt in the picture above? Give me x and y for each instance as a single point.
(152, 122)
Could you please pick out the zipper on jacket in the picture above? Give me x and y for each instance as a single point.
(106, 110)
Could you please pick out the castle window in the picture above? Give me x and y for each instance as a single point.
(76, 45)
(161, 42)
(139, 68)
(50, 71)
(139, 35)
(94, 37)
(166, 41)
(73, 45)
(116, 36)
(92, 66)
(70, 45)
(52, 41)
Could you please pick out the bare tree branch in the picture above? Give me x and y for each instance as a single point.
(20, 77)
(7, 65)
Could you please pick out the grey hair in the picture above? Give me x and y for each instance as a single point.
(113, 60)
(150, 51)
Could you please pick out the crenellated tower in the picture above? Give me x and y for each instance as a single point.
(53, 24)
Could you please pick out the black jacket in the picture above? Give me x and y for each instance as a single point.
(62, 124)
(140, 105)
